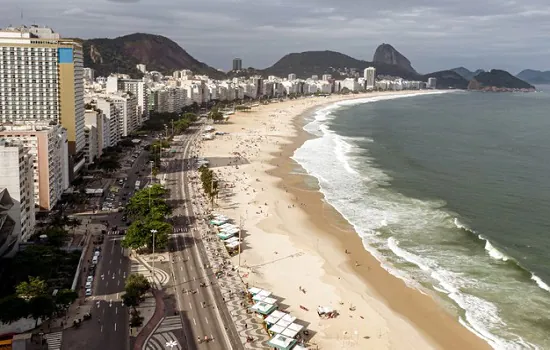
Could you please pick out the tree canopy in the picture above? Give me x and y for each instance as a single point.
(13, 308)
(147, 200)
(148, 209)
(32, 288)
(209, 183)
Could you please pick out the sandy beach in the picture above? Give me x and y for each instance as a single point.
(294, 239)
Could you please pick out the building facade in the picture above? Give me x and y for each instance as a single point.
(48, 144)
(370, 77)
(17, 210)
(237, 64)
(41, 78)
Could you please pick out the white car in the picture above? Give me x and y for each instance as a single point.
(90, 279)
(96, 253)
(88, 285)
(88, 292)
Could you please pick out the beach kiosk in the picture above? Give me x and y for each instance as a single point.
(280, 342)
(261, 295)
(223, 235)
(262, 308)
(326, 312)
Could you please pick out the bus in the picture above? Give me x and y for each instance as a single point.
(138, 183)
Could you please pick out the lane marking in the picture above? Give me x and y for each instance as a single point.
(116, 310)
(101, 328)
(115, 327)
(117, 295)
(206, 319)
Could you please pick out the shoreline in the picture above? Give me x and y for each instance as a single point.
(299, 228)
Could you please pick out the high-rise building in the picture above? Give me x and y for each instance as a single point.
(41, 78)
(17, 213)
(237, 64)
(370, 77)
(326, 77)
(49, 147)
(292, 76)
(432, 82)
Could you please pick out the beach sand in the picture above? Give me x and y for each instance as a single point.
(293, 238)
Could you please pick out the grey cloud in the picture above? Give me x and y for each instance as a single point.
(433, 34)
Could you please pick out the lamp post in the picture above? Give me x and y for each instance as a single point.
(154, 233)
(151, 163)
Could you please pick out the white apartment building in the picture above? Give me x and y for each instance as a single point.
(91, 148)
(432, 82)
(370, 77)
(292, 76)
(41, 79)
(111, 135)
(17, 212)
(326, 77)
(48, 145)
(127, 113)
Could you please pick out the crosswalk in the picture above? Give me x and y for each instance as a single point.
(162, 276)
(54, 340)
(169, 323)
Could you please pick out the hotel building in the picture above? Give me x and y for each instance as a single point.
(370, 77)
(41, 79)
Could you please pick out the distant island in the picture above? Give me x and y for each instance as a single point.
(159, 53)
(498, 81)
(534, 76)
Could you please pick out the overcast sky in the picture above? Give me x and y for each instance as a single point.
(433, 34)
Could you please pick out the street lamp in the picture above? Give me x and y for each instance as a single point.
(154, 232)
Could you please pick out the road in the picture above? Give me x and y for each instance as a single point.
(203, 313)
(108, 329)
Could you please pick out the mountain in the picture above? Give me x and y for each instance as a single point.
(466, 73)
(158, 53)
(447, 79)
(387, 54)
(308, 63)
(497, 78)
(534, 76)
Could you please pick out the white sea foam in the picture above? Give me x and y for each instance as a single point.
(540, 283)
(357, 195)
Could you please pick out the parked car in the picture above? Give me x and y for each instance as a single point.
(88, 285)
(88, 292)
(90, 279)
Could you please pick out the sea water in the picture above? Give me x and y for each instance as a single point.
(451, 192)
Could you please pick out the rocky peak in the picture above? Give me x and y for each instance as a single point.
(387, 54)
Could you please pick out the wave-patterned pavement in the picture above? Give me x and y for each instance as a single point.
(246, 324)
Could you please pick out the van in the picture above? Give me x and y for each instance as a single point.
(95, 259)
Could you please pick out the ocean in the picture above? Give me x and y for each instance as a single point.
(451, 192)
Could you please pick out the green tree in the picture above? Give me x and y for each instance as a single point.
(136, 320)
(13, 308)
(130, 299)
(57, 236)
(41, 307)
(182, 125)
(108, 164)
(139, 235)
(216, 116)
(65, 297)
(35, 287)
(147, 200)
(138, 284)
(192, 117)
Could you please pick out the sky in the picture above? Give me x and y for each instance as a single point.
(432, 34)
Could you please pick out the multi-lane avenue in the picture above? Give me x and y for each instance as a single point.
(202, 309)
(108, 328)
